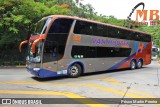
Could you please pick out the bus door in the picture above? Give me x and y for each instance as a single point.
(55, 42)
(50, 55)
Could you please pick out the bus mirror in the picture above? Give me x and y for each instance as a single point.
(22, 43)
(35, 43)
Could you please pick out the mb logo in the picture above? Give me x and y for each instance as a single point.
(142, 15)
(6, 101)
(153, 14)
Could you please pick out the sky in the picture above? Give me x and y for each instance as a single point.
(121, 8)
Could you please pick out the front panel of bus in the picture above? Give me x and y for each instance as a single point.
(34, 60)
(44, 62)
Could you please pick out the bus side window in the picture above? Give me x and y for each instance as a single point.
(129, 35)
(95, 29)
(91, 52)
(148, 38)
(83, 27)
(98, 29)
(141, 36)
(113, 32)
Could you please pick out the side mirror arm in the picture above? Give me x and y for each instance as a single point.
(35, 43)
(22, 43)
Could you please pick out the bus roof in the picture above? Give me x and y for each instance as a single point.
(77, 18)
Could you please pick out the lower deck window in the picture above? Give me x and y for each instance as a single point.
(99, 52)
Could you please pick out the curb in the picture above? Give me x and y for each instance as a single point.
(20, 66)
(12, 67)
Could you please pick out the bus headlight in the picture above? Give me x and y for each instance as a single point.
(36, 69)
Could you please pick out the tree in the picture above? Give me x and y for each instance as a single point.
(20, 16)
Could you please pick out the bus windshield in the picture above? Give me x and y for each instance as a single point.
(34, 57)
(42, 26)
(40, 29)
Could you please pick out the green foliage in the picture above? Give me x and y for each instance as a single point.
(18, 18)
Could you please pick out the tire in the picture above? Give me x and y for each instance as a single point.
(75, 71)
(133, 65)
(139, 64)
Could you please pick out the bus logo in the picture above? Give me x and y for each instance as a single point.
(77, 38)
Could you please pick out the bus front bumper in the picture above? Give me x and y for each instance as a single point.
(43, 73)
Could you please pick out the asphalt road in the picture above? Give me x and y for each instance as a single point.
(139, 83)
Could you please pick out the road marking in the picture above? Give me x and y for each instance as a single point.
(114, 81)
(90, 78)
(113, 90)
(82, 84)
(8, 106)
(67, 94)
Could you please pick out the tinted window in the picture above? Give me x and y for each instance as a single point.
(141, 37)
(99, 52)
(113, 52)
(79, 51)
(135, 36)
(56, 40)
(88, 28)
(83, 28)
(113, 32)
(91, 52)
(147, 38)
(100, 30)
(119, 33)
(61, 26)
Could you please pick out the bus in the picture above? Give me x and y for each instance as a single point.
(155, 52)
(67, 45)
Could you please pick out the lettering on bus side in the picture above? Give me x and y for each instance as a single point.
(110, 42)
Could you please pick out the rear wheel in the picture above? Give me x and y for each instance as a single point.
(75, 70)
(133, 65)
(139, 64)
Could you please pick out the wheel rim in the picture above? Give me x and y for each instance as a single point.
(74, 70)
(139, 64)
(133, 65)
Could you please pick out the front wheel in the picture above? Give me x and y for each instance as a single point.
(75, 70)
(133, 65)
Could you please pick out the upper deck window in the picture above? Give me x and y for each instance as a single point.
(96, 29)
(61, 26)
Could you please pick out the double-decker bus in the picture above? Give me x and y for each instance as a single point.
(66, 45)
(155, 52)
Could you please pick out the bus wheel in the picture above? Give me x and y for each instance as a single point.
(75, 71)
(133, 65)
(139, 64)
